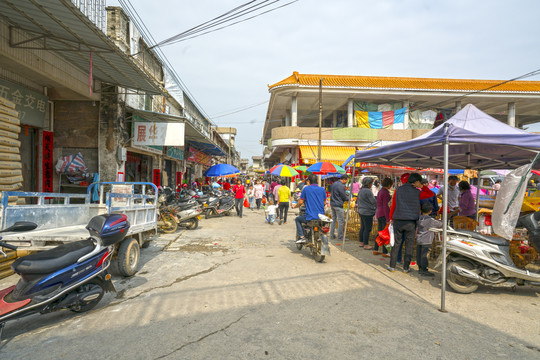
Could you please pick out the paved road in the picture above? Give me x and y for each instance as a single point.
(238, 289)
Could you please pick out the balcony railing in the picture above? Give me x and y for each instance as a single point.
(95, 11)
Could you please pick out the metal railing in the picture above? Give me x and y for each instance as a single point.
(95, 11)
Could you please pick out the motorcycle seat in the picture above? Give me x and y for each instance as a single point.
(495, 240)
(46, 262)
(186, 206)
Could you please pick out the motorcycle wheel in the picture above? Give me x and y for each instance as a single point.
(299, 246)
(458, 283)
(316, 249)
(170, 225)
(90, 304)
(192, 224)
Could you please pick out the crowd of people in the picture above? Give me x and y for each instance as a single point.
(411, 207)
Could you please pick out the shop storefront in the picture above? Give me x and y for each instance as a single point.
(138, 167)
(196, 162)
(172, 167)
(22, 120)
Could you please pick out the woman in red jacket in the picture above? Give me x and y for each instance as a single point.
(239, 192)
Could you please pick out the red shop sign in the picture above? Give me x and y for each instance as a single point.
(157, 177)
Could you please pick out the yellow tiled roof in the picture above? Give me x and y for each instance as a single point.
(382, 82)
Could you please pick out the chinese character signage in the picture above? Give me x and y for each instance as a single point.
(168, 134)
(199, 157)
(175, 153)
(32, 106)
(47, 161)
(157, 177)
(178, 178)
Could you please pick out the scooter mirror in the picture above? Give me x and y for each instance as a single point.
(21, 226)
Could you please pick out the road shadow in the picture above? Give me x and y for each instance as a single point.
(336, 313)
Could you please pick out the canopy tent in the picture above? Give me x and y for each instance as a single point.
(471, 139)
(476, 141)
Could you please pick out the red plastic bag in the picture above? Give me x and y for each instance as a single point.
(384, 233)
(384, 237)
(246, 203)
(264, 200)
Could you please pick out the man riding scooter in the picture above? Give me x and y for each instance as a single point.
(313, 196)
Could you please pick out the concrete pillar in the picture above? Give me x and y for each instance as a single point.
(294, 112)
(350, 113)
(405, 124)
(110, 115)
(287, 118)
(511, 114)
(334, 119)
(458, 105)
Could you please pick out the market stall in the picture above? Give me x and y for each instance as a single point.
(471, 139)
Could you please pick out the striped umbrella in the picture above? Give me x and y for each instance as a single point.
(284, 170)
(300, 168)
(274, 167)
(325, 167)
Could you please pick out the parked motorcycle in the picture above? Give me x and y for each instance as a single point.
(185, 214)
(70, 276)
(166, 221)
(218, 205)
(475, 259)
(315, 232)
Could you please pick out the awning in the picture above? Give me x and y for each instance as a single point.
(334, 154)
(211, 149)
(59, 26)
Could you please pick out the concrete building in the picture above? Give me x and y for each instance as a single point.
(244, 163)
(350, 105)
(81, 78)
(229, 135)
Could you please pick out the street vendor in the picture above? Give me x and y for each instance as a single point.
(453, 195)
(466, 200)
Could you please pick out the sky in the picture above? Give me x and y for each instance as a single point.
(231, 69)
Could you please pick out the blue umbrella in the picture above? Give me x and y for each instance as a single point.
(221, 170)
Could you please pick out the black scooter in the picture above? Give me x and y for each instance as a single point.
(70, 276)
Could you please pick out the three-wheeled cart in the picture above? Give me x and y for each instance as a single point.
(62, 218)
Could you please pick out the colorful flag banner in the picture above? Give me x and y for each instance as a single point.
(379, 119)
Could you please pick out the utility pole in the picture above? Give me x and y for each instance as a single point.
(230, 144)
(319, 150)
(320, 120)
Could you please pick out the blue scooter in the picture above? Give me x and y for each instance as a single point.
(70, 276)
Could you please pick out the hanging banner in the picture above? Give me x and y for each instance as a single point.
(168, 134)
(178, 178)
(199, 157)
(379, 119)
(157, 177)
(47, 161)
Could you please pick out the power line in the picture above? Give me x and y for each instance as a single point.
(227, 17)
(237, 110)
(234, 23)
(215, 21)
(139, 23)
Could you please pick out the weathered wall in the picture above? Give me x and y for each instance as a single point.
(76, 124)
(76, 131)
(112, 133)
(63, 79)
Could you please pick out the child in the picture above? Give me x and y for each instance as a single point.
(271, 210)
(424, 238)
